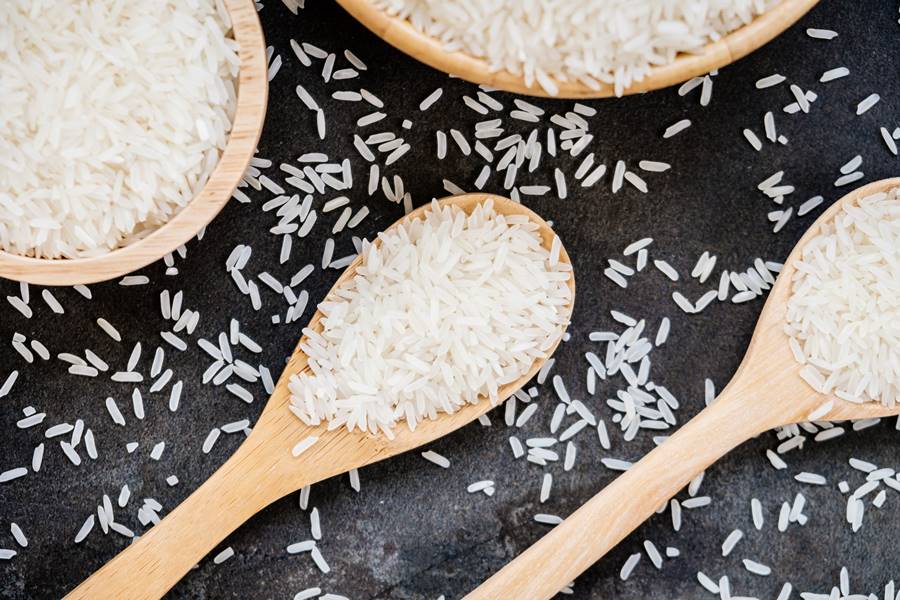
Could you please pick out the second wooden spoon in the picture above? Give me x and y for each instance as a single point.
(765, 392)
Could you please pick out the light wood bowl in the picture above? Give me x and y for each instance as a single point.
(403, 36)
(252, 93)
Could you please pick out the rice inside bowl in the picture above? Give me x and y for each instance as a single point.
(114, 116)
(614, 42)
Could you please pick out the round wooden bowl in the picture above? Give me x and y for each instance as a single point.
(403, 36)
(253, 89)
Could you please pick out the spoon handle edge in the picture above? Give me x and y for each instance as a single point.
(155, 562)
(596, 527)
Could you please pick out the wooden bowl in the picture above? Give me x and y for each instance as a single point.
(403, 36)
(253, 89)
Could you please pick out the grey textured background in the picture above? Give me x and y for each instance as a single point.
(414, 532)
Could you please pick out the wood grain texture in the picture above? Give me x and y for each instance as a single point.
(402, 35)
(249, 115)
(765, 392)
(263, 469)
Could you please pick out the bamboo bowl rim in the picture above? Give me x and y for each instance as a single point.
(250, 110)
(401, 34)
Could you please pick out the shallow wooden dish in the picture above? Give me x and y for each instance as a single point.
(403, 36)
(253, 89)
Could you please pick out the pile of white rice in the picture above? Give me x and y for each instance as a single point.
(113, 115)
(591, 41)
(443, 310)
(844, 314)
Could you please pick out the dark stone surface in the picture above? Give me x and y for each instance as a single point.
(414, 532)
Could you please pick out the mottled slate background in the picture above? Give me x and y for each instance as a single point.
(413, 532)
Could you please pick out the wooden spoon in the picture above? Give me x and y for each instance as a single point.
(765, 392)
(263, 469)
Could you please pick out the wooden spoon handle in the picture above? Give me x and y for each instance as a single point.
(595, 528)
(151, 565)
